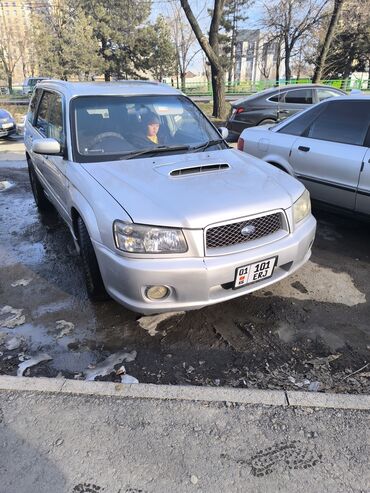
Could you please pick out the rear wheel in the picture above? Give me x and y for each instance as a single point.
(268, 121)
(41, 200)
(94, 282)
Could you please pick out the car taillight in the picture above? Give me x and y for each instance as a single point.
(239, 110)
(240, 146)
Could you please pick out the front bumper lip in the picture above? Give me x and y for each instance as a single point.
(198, 282)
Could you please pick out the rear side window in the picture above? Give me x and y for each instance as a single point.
(346, 122)
(301, 123)
(42, 114)
(55, 119)
(299, 96)
(33, 105)
(326, 94)
(277, 98)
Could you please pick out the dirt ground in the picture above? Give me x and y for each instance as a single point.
(309, 332)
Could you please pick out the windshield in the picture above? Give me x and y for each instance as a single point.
(114, 127)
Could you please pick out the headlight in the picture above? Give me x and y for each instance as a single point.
(135, 238)
(302, 207)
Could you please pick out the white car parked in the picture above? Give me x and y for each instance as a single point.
(327, 147)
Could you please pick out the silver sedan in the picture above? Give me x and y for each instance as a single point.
(327, 147)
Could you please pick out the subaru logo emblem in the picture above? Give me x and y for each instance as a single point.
(248, 230)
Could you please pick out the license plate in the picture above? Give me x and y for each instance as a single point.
(248, 274)
(7, 125)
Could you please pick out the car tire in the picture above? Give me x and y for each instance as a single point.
(94, 283)
(267, 121)
(42, 202)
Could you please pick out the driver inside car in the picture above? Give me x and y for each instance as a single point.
(151, 124)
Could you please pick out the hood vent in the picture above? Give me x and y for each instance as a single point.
(199, 169)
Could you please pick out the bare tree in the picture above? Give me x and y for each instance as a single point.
(211, 48)
(320, 63)
(291, 20)
(184, 39)
(10, 52)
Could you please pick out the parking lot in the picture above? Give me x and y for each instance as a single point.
(310, 331)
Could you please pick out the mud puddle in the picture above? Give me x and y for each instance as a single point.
(309, 332)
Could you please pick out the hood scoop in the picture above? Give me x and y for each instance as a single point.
(194, 170)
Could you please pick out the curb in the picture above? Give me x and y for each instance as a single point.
(186, 393)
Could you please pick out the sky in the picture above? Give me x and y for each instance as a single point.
(199, 8)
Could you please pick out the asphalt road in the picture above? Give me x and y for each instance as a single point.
(65, 443)
(310, 331)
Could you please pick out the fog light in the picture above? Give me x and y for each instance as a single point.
(157, 292)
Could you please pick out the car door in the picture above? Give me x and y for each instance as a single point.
(363, 192)
(295, 100)
(50, 124)
(329, 154)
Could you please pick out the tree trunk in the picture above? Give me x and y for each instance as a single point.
(211, 50)
(183, 81)
(338, 4)
(278, 61)
(288, 74)
(218, 88)
(10, 82)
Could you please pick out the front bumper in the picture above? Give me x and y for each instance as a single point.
(5, 132)
(198, 282)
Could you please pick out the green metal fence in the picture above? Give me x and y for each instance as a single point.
(249, 87)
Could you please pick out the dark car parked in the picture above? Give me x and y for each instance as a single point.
(7, 124)
(273, 105)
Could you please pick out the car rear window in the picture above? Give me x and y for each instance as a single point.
(300, 124)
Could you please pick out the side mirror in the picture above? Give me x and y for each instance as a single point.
(46, 146)
(223, 132)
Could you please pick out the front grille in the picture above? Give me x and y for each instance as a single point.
(230, 234)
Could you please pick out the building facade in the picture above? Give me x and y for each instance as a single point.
(255, 56)
(15, 30)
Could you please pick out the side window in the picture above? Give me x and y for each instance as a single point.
(55, 127)
(299, 96)
(299, 124)
(326, 94)
(346, 122)
(278, 98)
(42, 114)
(33, 105)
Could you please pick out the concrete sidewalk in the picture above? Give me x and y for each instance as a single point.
(59, 437)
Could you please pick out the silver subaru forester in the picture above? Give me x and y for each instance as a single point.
(165, 215)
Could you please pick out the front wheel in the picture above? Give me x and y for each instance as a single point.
(94, 282)
(41, 200)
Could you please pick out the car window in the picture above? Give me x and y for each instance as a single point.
(33, 105)
(55, 127)
(326, 94)
(110, 126)
(42, 114)
(299, 124)
(346, 122)
(277, 98)
(299, 96)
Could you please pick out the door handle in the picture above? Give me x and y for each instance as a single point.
(284, 111)
(303, 148)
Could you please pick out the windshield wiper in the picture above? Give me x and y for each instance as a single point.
(204, 145)
(154, 150)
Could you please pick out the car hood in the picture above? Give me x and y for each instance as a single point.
(243, 186)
